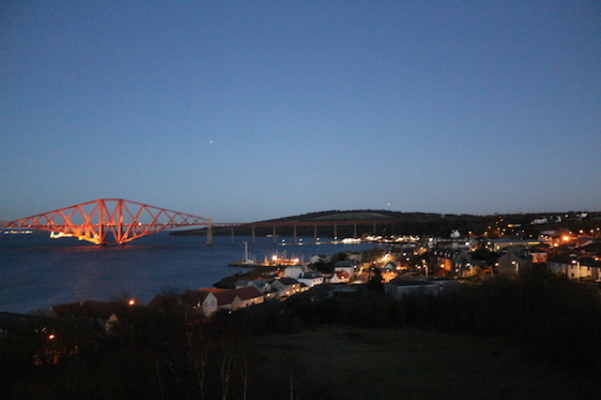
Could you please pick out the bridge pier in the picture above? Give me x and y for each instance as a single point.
(314, 233)
(254, 240)
(335, 232)
(294, 229)
(232, 234)
(274, 235)
(355, 231)
(209, 232)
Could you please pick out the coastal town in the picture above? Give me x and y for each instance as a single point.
(402, 281)
(401, 264)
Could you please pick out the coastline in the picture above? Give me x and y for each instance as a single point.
(39, 272)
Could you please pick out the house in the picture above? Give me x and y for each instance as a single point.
(240, 283)
(286, 286)
(245, 297)
(391, 266)
(593, 268)
(318, 258)
(262, 284)
(503, 243)
(201, 301)
(351, 267)
(513, 261)
(294, 271)
(591, 250)
(539, 254)
(574, 267)
(223, 297)
(583, 241)
(340, 277)
(458, 261)
(311, 279)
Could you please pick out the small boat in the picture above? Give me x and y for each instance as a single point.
(275, 261)
(247, 262)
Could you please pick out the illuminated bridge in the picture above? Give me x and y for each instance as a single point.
(108, 221)
(118, 221)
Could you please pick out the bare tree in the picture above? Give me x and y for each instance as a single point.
(226, 366)
(199, 347)
(244, 365)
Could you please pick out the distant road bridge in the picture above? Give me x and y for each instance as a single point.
(315, 224)
(108, 221)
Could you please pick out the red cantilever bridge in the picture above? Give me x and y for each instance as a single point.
(108, 221)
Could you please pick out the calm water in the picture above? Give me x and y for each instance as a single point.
(37, 271)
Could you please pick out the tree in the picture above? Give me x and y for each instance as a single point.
(375, 281)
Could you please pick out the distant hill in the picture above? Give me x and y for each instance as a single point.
(355, 215)
(415, 223)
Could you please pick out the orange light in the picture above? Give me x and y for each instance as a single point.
(131, 302)
(51, 336)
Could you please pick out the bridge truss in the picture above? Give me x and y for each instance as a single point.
(108, 221)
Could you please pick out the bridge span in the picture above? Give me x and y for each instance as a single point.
(119, 221)
(315, 224)
(108, 221)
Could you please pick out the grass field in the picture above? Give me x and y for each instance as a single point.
(349, 363)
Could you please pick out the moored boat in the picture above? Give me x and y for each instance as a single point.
(274, 261)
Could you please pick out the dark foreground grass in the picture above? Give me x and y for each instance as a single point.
(349, 363)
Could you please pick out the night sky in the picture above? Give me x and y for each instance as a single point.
(250, 110)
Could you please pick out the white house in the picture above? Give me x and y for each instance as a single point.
(201, 301)
(286, 286)
(574, 267)
(318, 258)
(348, 266)
(294, 271)
(311, 279)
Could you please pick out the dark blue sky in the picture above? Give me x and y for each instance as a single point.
(243, 111)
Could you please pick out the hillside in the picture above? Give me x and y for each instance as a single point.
(413, 223)
(355, 215)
